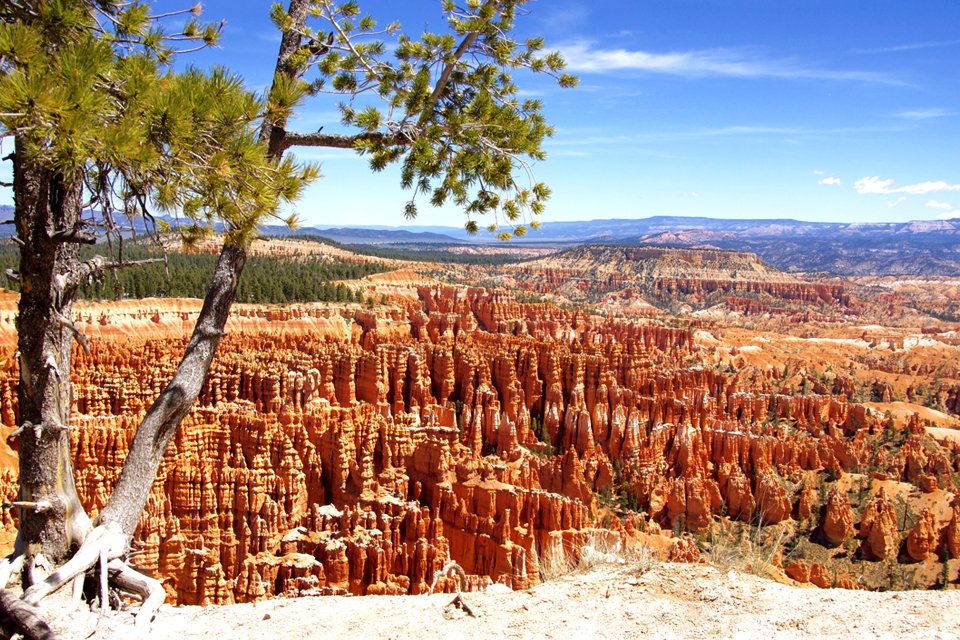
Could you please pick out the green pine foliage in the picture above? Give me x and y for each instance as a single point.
(266, 280)
(86, 90)
(443, 105)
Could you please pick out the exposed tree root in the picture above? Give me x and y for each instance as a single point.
(104, 540)
(453, 570)
(18, 617)
(105, 547)
(150, 590)
(459, 603)
(10, 566)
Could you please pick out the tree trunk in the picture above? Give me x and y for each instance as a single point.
(108, 542)
(52, 520)
(164, 416)
(48, 211)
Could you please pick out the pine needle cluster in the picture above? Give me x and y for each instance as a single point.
(442, 105)
(87, 91)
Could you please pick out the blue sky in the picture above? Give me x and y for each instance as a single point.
(838, 111)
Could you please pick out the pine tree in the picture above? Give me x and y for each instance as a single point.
(100, 129)
(99, 124)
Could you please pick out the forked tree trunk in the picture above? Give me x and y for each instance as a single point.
(52, 520)
(161, 422)
(164, 416)
(108, 542)
(46, 467)
(53, 523)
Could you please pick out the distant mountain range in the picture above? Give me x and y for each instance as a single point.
(928, 247)
(892, 248)
(622, 229)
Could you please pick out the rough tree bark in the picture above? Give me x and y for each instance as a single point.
(52, 520)
(108, 542)
(47, 216)
(168, 410)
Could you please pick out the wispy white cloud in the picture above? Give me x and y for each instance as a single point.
(912, 46)
(897, 202)
(583, 57)
(570, 153)
(874, 184)
(818, 172)
(831, 181)
(949, 216)
(924, 114)
(272, 36)
(936, 204)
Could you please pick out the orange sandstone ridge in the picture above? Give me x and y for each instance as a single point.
(353, 450)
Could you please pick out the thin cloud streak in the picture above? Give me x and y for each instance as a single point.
(875, 184)
(583, 58)
(924, 114)
(913, 46)
(569, 137)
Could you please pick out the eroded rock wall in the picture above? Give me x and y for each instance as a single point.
(351, 451)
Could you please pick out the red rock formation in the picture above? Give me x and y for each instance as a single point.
(346, 452)
(878, 529)
(806, 501)
(685, 550)
(810, 573)
(924, 537)
(837, 525)
(952, 532)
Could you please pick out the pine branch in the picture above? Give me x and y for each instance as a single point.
(339, 141)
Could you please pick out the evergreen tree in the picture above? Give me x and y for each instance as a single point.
(95, 117)
(100, 125)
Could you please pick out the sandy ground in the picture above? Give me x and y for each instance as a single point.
(611, 601)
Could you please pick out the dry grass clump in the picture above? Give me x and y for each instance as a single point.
(732, 546)
(598, 549)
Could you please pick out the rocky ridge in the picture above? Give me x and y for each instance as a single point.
(670, 274)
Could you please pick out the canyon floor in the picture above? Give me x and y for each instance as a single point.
(608, 601)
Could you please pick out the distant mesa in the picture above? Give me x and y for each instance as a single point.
(669, 276)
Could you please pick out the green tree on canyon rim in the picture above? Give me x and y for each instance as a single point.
(106, 132)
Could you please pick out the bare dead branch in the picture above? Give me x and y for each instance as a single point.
(74, 235)
(40, 507)
(68, 324)
(338, 141)
(98, 265)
